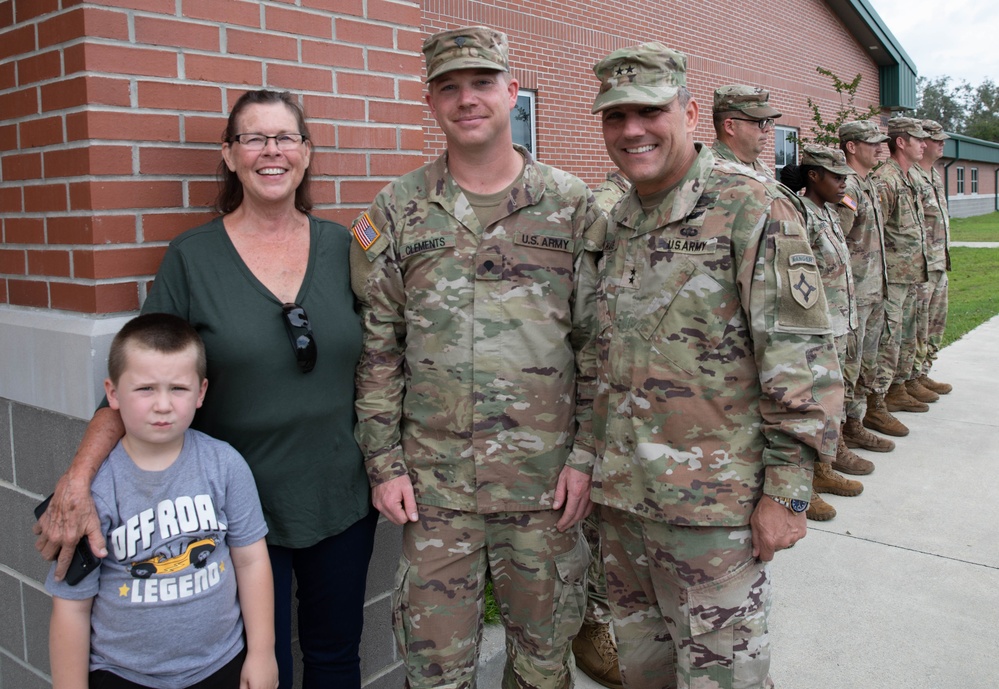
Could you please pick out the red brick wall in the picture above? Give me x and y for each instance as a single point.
(112, 114)
(554, 45)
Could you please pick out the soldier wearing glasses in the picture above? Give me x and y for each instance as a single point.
(744, 122)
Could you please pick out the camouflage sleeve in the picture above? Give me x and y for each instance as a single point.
(847, 216)
(583, 337)
(800, 380)
(380, 382)
(888, 196)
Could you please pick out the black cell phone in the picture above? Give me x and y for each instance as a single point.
(84, 562)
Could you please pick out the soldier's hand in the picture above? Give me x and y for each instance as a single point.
(70, 516)
(396, 500)
(573, 491)
(774, 528)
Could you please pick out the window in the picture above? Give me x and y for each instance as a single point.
(523, 123)
(960, 180)
(785, 147)
(974, 180)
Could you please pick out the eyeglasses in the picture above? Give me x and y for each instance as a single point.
(762, 124)
(257, 142)
(296, 322)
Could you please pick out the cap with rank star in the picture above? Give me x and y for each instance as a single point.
(646, 74)
(861, 130)
(473, 47)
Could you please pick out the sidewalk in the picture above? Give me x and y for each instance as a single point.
(901, 589)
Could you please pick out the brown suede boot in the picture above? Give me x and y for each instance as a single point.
(818, 509)
(898, 399)
(930, 384)
(919, 392)
(855, 435)
(596, 655)
(849, 462)
(879, 419)
(825, 480)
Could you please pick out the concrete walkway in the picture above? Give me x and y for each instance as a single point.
(901, 589)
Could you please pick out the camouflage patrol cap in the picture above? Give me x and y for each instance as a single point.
(861, 130)
(473, 47)
(646, 74)
(935, 130)
(825, 157)
(749, 100)
(905, 125)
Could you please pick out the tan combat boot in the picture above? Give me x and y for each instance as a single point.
(879, 419)
(855, 435)
(919, 392)
(849, 462)
(930, 384)
(596, 655)
(825, 480)
(818, 509)
(898, 399)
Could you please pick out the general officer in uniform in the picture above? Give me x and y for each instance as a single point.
(905, 255)
(863, 226)
(718, 387)
(932, 319)
(474, 424)
(744, 122)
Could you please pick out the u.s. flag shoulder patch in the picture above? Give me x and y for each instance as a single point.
(849, 202)
(364, 232)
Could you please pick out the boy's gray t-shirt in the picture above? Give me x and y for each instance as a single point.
(166, 613)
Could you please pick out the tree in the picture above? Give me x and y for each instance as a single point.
(939, 101)
(982, 120)
(827, 133)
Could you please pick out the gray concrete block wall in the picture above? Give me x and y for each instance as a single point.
(967, 206)
(36, 446)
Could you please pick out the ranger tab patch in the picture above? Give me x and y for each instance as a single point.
(849, 202)
(364, 232)
(801, 259)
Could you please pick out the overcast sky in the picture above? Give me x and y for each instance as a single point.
(954, 38)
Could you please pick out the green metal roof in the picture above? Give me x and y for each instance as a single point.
(896, 70)
(973, 150)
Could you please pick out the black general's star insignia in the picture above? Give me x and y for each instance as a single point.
(632, 276)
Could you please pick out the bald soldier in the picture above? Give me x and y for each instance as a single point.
(905, 256)
(474, 424)
(718, 387)
(932, 319)
(744, 122)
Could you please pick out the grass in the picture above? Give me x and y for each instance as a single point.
(973, 297)
(979, 228)
(491, 614)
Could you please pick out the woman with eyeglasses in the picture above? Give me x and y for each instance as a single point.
(267, 286)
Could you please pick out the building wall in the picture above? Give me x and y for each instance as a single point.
(111, 116)
(966, 204)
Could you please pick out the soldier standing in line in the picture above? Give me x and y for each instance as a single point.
(905, 256)
(933, 319)
(718, 387)
(822, 174)
(594, 646)
(863, 226)
(474, 424)
(744, 122)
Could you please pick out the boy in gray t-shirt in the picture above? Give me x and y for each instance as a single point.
(183, 523)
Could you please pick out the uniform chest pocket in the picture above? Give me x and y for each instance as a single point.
(687, 322)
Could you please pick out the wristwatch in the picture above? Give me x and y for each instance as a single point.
(796, 506)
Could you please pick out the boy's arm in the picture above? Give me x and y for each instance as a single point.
(69, 643)
(71, 514)
(255, 587)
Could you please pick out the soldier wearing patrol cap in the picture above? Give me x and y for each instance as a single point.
(932, 319)
(475, 426)
(718, 387)
(905, 256)
(744, 122)
(863, 226)
(822, 175)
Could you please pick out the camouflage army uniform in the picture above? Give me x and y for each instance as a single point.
(906, 260)
(723, 151)
(611, 190)
(932, 320)
(467, 384)
(718, 383)
(863, 226)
